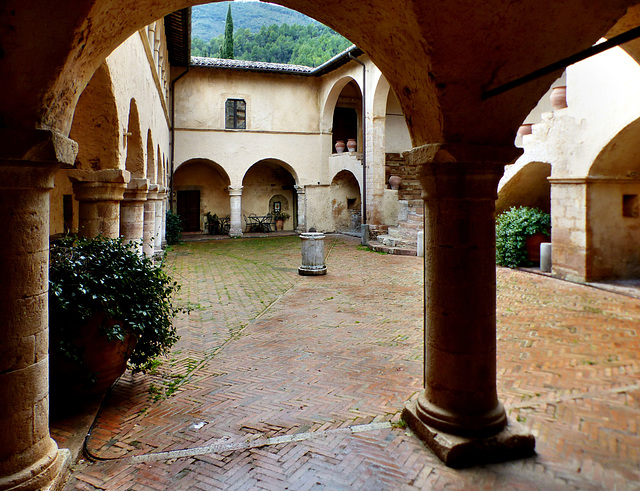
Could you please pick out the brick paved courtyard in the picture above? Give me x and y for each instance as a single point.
(288, 382)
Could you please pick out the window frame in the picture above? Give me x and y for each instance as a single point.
(232, 114)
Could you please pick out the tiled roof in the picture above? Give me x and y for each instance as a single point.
(261, 66)
(249, 65)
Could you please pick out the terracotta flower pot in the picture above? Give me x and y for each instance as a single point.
(352, 145)
(103, 361)
(279, 224)
(340, 146)
(558, 97)
(394, 182)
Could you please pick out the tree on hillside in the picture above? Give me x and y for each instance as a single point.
(226, 50)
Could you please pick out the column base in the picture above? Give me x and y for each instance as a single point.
(50, 474)
(513, 442)
(306, 271)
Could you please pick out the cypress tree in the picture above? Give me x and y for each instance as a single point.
(226, 50)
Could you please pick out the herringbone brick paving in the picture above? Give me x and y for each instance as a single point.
(266, 352)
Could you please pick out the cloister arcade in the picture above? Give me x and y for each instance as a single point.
(438, 57)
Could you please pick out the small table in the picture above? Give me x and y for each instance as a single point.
(259, 223)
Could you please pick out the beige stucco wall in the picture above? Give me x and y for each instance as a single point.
(591, 239)
(613, 245)
(133, 75)
(397, 136)
(207, 179)
(319, 214)
(289, 119)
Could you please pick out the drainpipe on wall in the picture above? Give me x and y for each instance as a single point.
(364, 141)
(173, 135)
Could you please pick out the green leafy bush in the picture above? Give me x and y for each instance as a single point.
(512, 229)
(107, 277)
(173, 232)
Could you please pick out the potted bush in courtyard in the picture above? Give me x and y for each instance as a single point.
(279, 217)
(519, 233)
(107, 305)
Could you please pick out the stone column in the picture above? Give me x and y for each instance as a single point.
(157, 245)
(99, 194)
(235, 201)
(149, 229)
(29, 458)
(132, 211)
(459, 188)
(163, 230)
(302, 225)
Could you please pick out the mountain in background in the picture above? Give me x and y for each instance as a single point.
(264, 32)
(207, 21)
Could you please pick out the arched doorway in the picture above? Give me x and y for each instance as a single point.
(346, 202)
(270, 185)
(201, 186)
(347, 115)
(528, 187)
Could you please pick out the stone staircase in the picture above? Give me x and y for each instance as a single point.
(402, 239)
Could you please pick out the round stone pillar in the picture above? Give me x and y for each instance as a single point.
(460, 397)
(157, 244)
(149, 228)
(99, 194)
(132, 211)
(235, 202)
(29, 458)
(164, 221)
(302, 227)
(312, 255)
(460, 298)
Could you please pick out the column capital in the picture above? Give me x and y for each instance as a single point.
(461, 152)
(101, 185)
(37, 146)
(235, 190)
(136, 190)
(299, 189)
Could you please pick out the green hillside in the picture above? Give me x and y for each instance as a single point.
(264, 32)
(207, 21)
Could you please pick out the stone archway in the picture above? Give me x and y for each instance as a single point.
(528, 187)
(438, 60)
(134, 161)
(612, 191)
(345, 202)
(264, 180)
(201, 187)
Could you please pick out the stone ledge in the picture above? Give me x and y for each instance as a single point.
(514, 442)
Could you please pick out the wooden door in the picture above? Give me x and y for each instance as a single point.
(189, 210)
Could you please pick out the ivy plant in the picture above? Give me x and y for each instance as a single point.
(108, 277)
(173, 231)
(512, 229)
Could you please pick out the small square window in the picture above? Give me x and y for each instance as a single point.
(630, 206)
(235, 114)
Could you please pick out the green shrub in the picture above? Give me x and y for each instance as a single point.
(107, 276)
(173, 232)
(512, 229)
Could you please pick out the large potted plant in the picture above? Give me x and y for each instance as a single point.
(280, 217)
(519, 232)
(104, 296)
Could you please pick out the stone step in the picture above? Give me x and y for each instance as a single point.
(399, 251)
(398, 239)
